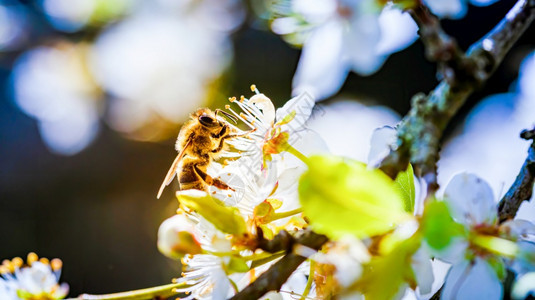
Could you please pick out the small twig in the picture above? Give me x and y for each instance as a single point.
(282, 241)
(276, 275)
(522, 189)
(421, 129)
(440, 47)
(158, 292)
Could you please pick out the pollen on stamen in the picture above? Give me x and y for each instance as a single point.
(232, 99)
(56, 264)
(44, 260)
(174, 280)
(242, 98)
(31, 258)
(17, 262)
(4, 270)
(227, 106)
(253, 87)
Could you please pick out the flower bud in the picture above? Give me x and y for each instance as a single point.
(177, 237)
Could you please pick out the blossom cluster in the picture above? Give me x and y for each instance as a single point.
(37, 279)
(382, 238)
(216, 232)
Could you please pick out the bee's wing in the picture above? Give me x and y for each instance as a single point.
(172, 171)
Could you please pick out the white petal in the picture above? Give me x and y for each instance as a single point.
(470, 200)
(524, 286)
(302, 105)
(467, 281)
(314, 11)
(423, 270)
(221, 289)
(398, 30)
(523, 262)
(308, 142)
(8, 289)
(454, 9)
(272, 296)
(519, 229)
(361, 44)
(321, 70)
(381, 142)
(265, 104)
(482, 2)
(453, 253)
(296, 283)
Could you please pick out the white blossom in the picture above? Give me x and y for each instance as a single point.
(36, 280)
(454, 9)
(343, 35)
(478, 270)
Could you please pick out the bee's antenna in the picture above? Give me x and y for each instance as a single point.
(231, 117)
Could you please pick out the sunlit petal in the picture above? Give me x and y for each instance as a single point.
(470, 200)
(472, 280)
(398, 30)
(321, 70)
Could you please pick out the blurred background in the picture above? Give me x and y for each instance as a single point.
(94, 93)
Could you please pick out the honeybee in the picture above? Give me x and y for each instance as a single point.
(199, 142)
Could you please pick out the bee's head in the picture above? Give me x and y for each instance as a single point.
(207, 118)
(210, 119)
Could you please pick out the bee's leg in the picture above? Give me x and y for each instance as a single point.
(189, 179)
(210, 180)
(221, 132)
(230, 136)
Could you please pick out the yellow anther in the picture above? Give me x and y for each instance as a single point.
(56, 264)
(227, 106)
(242, 98)
(32, 257)
(4, 270)
(232, 99)
(17, 262)
(253, 87)
(174, 280)
(44, 260)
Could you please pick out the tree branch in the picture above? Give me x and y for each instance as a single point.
(522, 189)
(439, 46)
(421, 129)
(276, 275)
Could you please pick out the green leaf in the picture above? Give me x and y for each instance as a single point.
(266, 257)
(226, 219)
(438, 226)
(341, 196)
(383, 276)
(236, 265)
(405, 187)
